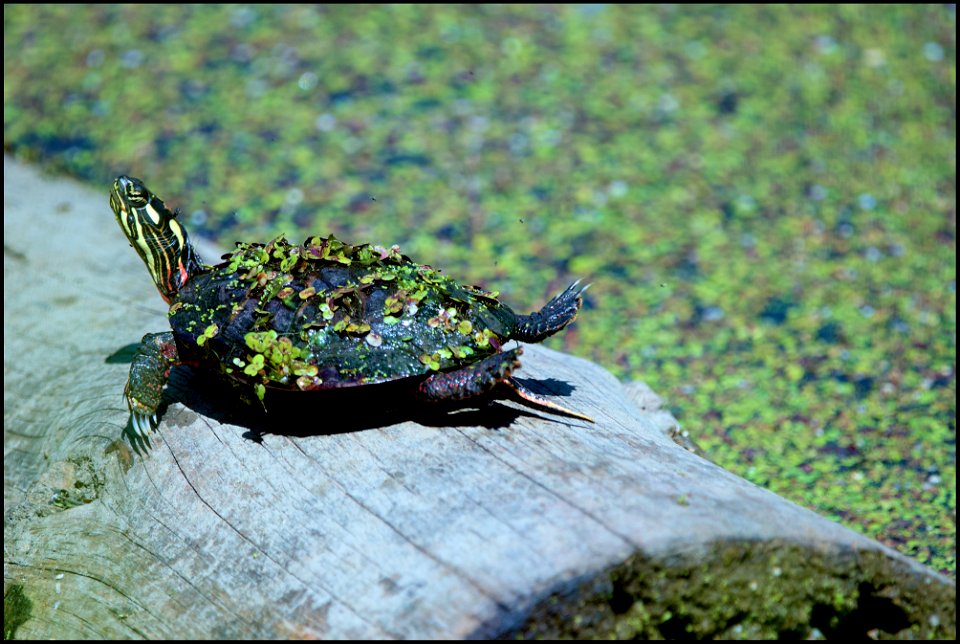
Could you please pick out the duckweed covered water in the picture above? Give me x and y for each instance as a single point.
(763, 197)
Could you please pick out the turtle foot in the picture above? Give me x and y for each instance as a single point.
(149, 372)
(558, 313)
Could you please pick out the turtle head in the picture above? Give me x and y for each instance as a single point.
(155, 233)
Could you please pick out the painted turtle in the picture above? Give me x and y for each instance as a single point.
(320, 315)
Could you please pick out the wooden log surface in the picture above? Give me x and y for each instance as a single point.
(368, 516)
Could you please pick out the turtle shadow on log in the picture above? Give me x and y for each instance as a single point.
(347, 409)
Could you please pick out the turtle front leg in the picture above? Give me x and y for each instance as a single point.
(149, 372)
(484, 376)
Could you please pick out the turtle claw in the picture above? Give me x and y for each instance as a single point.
(138, 431)
(143, 419)
(143, 424)
(540, 401)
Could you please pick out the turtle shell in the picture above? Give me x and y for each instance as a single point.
(326, 314)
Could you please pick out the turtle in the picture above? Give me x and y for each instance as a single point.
(320, 315)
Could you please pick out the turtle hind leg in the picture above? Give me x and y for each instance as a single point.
(475, 380)
(558, 313)
(149, 372)
(483, 377)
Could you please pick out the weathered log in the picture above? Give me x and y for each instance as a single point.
(367, 516)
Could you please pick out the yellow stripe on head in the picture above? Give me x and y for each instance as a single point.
(156, 235)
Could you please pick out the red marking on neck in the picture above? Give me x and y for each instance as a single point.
(177, 284)
(184, 276)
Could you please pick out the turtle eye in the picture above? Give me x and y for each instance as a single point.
(137, 196)
(136, 193)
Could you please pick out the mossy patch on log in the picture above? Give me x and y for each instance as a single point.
(16, 610)
(762, 590)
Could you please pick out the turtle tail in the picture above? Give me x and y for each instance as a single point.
(558, 313)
